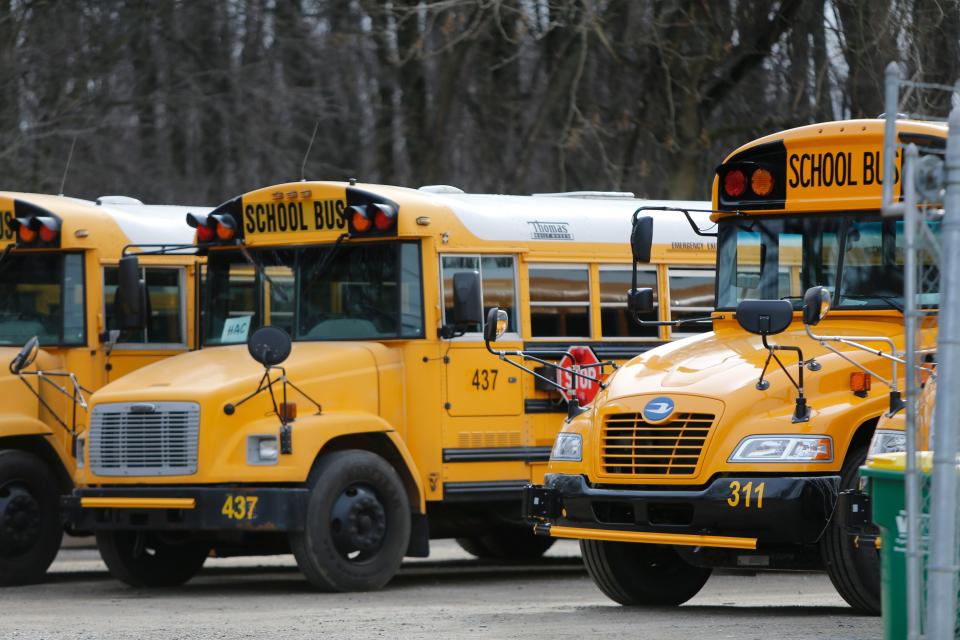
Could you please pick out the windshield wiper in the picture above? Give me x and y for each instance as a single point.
(262, 272)
(890, 300)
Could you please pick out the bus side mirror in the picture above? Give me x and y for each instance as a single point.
(269, 346)
(640, 300)
(816, 305)
(467, 303)
(765, 317)
(641, 239)
(131, 295)
(496, 326)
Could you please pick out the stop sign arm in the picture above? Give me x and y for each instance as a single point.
(535, 357)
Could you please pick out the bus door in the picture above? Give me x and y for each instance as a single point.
(483, 399)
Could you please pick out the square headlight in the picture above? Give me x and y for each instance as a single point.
(262, 449)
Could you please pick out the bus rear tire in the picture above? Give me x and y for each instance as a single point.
(855, 572)
(358, 523)
(146, 559)
(509, 543)
(642, 574)
(30, 527)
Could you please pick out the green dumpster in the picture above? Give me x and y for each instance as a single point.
(885, 475)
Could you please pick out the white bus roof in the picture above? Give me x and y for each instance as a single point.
(579, 219)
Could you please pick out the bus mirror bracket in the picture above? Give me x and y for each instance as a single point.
(816, 306)
(766, 318)
(26, 357)
(271, 346)
(497, 323)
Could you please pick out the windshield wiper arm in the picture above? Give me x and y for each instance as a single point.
(262, 272)
(888, 299)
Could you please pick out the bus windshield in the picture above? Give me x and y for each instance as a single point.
(369, 291)
(41, 294)
(858, 257)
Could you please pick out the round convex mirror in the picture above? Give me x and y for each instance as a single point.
(269, 345)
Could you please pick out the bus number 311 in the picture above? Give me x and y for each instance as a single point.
(742, 494)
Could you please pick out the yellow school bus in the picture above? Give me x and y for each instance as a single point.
(387, 423)
(61, 334)
(729, 449)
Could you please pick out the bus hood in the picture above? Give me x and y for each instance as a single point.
(330, 372)
(725, 361)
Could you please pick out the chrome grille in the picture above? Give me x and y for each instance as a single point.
(144, 439)
(632, 446)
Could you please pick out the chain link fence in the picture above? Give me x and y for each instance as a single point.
(927, 534)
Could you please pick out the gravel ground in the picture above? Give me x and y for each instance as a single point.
(449, 595)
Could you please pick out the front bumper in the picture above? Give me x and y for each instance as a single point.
(243, 508)
(786, 510)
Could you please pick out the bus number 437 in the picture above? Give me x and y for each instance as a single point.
(484, 379)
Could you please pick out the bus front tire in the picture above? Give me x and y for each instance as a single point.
(30, 527)
(358, 523)
(146, 559)
(636, 574)
(855, 572)
(510, 543)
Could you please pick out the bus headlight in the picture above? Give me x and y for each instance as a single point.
(262, 449)
(784, 449)
(568, 446)
(80, 452)
(887, 441)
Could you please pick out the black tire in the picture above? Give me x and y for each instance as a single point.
(148, 559)
(855, 572)
(30, 525)
(474, 546)
(642, 574)
(513, 544)
(358, 523)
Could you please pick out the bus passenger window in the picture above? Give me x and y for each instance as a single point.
(691, 296)
(559, 301)
(164, 288)
(615, 321)
(497, 283)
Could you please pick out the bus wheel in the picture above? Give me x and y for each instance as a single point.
(358, 523)
(642, 574)
(511, 543)
(30, 527)
(147, 559)
(854, 570)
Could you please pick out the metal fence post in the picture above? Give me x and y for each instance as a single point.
(942, 583)
(911, 320)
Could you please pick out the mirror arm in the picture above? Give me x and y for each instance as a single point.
(674, 323)
(502, 355)
(823, 340)
(685, 212)
(76, 397)
(801, 412)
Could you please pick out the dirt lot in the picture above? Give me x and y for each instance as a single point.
(449, 595)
